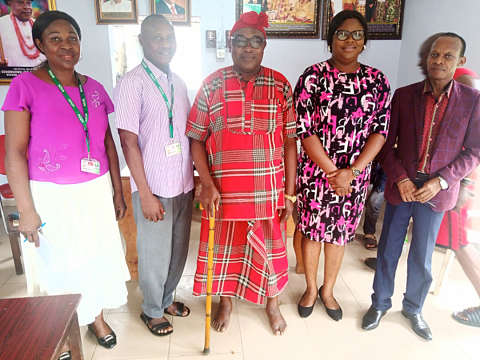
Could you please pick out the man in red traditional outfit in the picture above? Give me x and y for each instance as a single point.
(242, 126)
(16, 36)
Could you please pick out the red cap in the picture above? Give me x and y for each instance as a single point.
(252, 19)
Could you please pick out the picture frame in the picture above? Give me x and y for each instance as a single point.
(288, 19)
(115, 12)
(18, 53)
(384, 19)
(183, 10)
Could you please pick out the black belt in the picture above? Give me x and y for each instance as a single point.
(422, 176)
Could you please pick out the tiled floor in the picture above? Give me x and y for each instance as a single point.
(317, 337)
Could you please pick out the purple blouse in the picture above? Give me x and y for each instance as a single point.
(57, 138)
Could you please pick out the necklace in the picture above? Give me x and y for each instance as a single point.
(23, 43)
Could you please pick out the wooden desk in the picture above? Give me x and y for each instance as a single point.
(36, 328)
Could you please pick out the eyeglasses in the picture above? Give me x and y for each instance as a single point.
(242, 41)
(343, 35)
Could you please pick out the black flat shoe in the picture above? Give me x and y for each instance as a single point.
(334, 314)
(305, 311)
(108, 341)
(419, 325)
(371, 319)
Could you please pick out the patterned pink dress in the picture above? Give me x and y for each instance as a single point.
(342, 109)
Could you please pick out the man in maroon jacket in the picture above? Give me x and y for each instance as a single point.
(436, 126)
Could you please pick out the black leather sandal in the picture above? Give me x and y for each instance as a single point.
(180, 309)
(154, 329)
(108, 341)
(472, 314)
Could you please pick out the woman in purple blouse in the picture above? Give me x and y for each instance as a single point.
(63, 188)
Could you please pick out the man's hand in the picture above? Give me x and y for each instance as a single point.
(463, 196)
(152, 208)
(29, 224)
(428, 190)
(119, 205)
(407, 189)
(3, 62)
(210, 198)
(284, 214)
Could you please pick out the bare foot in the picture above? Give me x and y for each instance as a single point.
(222, 319)
(156, 321)
(309, 297)
(329, 300)
(172, 309)
(277, 322)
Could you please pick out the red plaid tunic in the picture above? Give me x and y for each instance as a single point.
(244, 128)
(248, 171)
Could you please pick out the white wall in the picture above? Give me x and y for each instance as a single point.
(424, 18)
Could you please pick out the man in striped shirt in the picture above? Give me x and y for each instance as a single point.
(152, 107)
(242, 127)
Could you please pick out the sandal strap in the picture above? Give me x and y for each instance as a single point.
(180, 309)
(145, 318)
(160, 326)
(473, 315)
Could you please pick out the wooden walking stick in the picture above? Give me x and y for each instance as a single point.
(208, 311)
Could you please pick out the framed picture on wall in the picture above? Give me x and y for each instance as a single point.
(384, 17)
(18, 53)
(116, 12)
(286, 18)
(177, 11)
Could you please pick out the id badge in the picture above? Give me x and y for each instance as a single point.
(91, 166)
(173, 149)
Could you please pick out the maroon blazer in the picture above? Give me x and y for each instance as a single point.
(457, 149)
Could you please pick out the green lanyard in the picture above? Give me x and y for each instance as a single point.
(83, 120)
(169, 106)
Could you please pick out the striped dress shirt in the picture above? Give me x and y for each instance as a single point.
(141, 109)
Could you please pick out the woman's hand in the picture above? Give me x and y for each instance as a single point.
(29, 224)
(340, 178)
(119, 205)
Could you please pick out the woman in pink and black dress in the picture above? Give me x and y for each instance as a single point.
(343, 113)
(54, 186)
